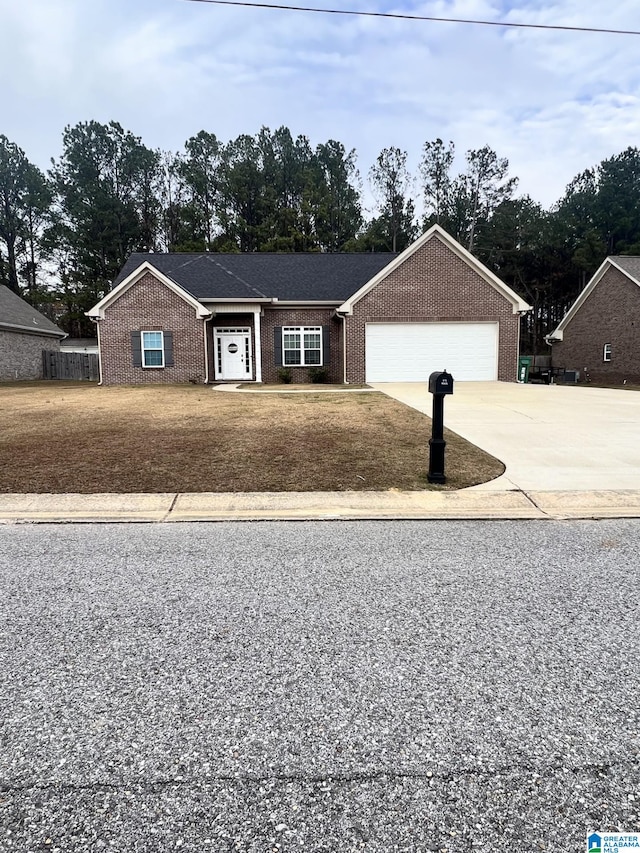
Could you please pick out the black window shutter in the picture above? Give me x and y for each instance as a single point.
(326, 332)
(168, 349)
(277, 345)
(136, 349)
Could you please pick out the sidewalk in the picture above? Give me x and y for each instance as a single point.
(298, 506)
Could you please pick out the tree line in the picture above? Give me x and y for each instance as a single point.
(65, 234)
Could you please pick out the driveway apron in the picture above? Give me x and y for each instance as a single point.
(549, 437)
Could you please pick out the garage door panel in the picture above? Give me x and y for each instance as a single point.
(409, 352)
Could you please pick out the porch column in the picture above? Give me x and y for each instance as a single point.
(257, 344)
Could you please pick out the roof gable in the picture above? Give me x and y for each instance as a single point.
(628, 265)
(437, 232)
(16, 314)
(97, 312)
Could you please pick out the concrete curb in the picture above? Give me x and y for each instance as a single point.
(303, 506)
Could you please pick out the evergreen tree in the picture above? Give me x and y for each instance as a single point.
(392, 184)
(107, 185)
(25, 202)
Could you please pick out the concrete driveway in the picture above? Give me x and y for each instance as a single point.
(549, 437)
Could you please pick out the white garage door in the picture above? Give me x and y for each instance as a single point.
(409, 352)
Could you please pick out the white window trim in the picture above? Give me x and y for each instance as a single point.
(606, 352)
(144, 349)
(301, 330)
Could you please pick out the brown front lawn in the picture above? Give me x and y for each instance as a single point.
(76, 437)
(617, 386)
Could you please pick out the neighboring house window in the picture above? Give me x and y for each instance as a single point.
(152, 349)
(606, 353)
(302, 345)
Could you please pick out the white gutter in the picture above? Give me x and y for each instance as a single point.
(308, 303)
(33, 330)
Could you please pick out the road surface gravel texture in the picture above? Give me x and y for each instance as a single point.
(325, 686)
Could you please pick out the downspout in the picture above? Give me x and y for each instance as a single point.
(257, 343)
(206, 351)
(97, 322)
(343, 317)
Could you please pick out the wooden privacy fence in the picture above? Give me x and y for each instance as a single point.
(70, 365)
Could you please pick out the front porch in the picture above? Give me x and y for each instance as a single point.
(232, 341)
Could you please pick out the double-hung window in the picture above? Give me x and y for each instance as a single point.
(302, 345)
(152, 349)
(606, 352)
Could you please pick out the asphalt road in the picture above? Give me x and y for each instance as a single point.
(336, 686)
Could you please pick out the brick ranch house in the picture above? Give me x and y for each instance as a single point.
(24, 333)
(599, 336)
(371, 317)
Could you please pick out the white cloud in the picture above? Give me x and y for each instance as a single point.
(554, 103)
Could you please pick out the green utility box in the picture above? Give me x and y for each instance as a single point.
(524, 366)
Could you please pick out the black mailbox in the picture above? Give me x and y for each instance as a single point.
(441, 382)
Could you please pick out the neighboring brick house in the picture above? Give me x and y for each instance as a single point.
(361, 317)
(600, 334)
(24, 333)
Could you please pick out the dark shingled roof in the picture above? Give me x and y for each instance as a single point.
(295, 277)
(17, 314)
(629, 263)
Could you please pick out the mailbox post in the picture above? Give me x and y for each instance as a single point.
(440, 384)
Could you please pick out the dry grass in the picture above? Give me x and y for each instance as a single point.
(618, 386)
(76, 437)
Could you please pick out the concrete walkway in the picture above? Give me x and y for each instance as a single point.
(289, 506)
(236, 388)
(549, 437)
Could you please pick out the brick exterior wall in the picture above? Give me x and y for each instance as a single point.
(434, 284)
(609, 315)
(150, 306)
(21, 354)
(301, 317)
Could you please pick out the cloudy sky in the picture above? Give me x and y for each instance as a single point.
(553, 103)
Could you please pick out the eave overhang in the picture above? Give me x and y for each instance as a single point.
(32, 330)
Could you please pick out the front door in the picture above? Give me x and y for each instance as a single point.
(233, 354)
